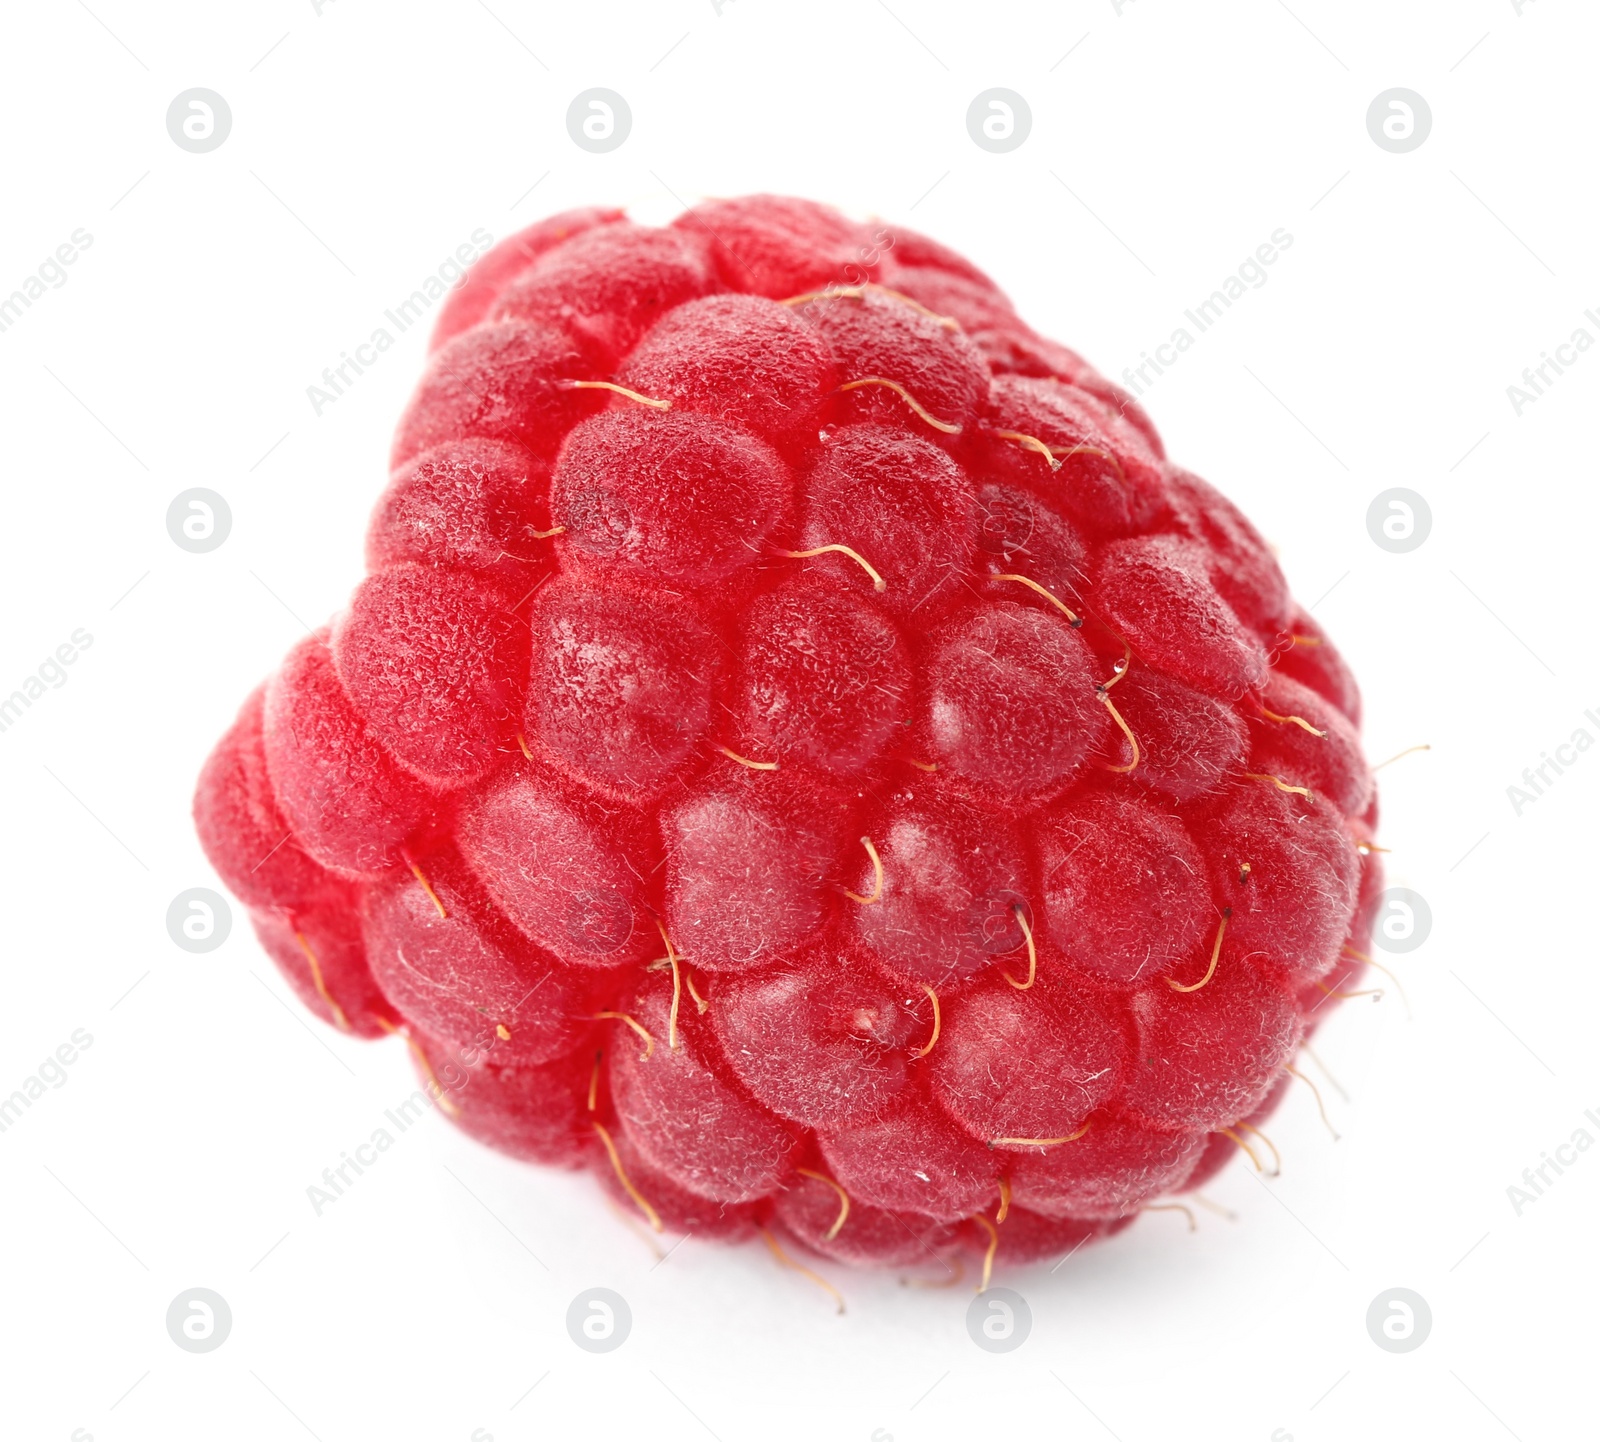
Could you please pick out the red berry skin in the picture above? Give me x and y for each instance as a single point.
(349, 801)
(676, 1208)
(1155, 592)
(468, 978)
(1309, 657)
(242, 829)
(681, 1108)
(1025, 1236)
(901, 503)
(817, 1040)
(778, 246)
(667, 496)
(1028, 1064)
(769, 791)
(912, 1159)
(1221, 1149)
(1011, 703)
(550, 862)
(1124, 885)
(1102, 474)
(1110, 1171)
(960, 292)
(874, 337)
(1329, 764)
(1346, 980)
(1208, 1057)
(751, 861)
(469, 505)
(825, 679)
(471, 300)
(503, 381)
(434, 660)
(1018, 535)
(1190, 744)
(1239, 564)
(621, 687)
(909, 248)
(1291, 909)
(537, 1113)
(953, 879)
(739, 358)
(808, 1208)
(606, 286)
(321, 953)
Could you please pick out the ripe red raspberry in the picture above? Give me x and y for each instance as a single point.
(804, 753)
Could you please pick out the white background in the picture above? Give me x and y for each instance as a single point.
(367, 143)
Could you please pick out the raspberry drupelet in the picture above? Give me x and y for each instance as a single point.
(802, 752)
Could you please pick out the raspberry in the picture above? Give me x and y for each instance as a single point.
(804, 754)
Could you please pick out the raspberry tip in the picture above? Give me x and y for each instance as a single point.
(632, 395)
(633, 1023)
(785, 1260)
(650, 1213)
(1172, 1207)
(877, 877)
(921, 411)
(878, 583)
(1266, 1141)
(1242, 1144)
(1216, 951)
(1033, 950)
(746, 761)
(340, 1019)
(844, 1200)
(933, 996)
(1072, 618)
(1299, 721)
(989, 1251)
(1322, 1110)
